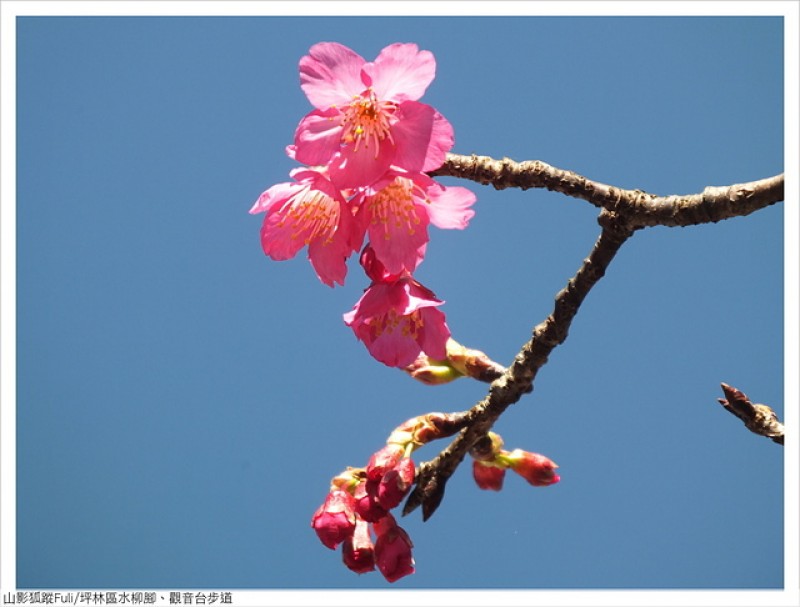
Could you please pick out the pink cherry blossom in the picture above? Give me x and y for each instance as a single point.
(395, 212)
(310, 211)
(367, 115)
(398, 320)
(335, 520)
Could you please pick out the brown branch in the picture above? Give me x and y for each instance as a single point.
(623, 212)
(758, 418)
(640, 209)
(518, 378)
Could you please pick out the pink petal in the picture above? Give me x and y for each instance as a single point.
(422, 135)
(329, 260)
(276, 241)
(331, 74)
(396, 243)
(317, 137)
(311, 211)
(435, 333)
(401, 72)
(378, 299)
(278, 192)
(329, 257)
(394, 349)
(359, 168)
(449, 208)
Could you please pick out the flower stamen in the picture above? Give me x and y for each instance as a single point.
(367, 120)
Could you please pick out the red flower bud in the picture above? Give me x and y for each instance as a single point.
(366, 501)
(488, 477)
(384, 460)
(395, 483)
(358, 553)
(392, 549)
(537, 469)
(335, 520)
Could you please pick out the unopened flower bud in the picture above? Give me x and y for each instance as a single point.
(535, 468)
(335, 520)
(423, 429)
(366, 501)
(358, 552)
(383, 460)
(487, 476)
(472, 363)
(396, 483)
(392, 550)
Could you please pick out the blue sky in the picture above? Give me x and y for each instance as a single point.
(183, 401)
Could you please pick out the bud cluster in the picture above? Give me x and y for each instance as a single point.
(359, 502)
(490, 462)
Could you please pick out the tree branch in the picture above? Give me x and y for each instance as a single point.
(518, 378)
(758, 418)
(639, 208)
(623, 212)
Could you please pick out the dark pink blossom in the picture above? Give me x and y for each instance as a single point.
(398, 321)
(395, 212)
(367, 115)
(310, 211)
(335, 520)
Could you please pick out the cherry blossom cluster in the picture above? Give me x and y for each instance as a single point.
(490, 465)
(366, 149)
(359, 502)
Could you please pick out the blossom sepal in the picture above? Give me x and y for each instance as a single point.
(432, 372)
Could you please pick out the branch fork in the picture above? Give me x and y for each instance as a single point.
(622, 212)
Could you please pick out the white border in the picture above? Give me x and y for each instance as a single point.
(791, 270)
(8, 304)
(788, 9)
(496, 8)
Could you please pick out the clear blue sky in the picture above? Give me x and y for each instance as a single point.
(183, 401)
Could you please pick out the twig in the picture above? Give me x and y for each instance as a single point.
(758, 418)
(640, 209)
(518, 378)
(623, 212)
